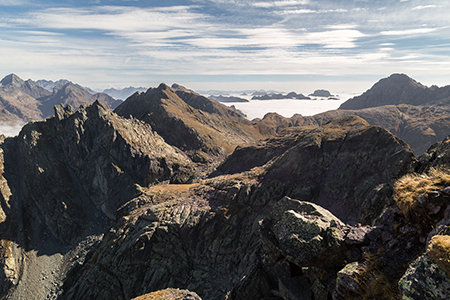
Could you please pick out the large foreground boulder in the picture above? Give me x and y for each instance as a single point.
(306, 234)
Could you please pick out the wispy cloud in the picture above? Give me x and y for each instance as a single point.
(219, 37)
(268, 4)
(424, 7)
(409, 31)
(13, 2)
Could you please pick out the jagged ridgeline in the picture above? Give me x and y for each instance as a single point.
(175, 196)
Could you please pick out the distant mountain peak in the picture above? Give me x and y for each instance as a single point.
(397, 89)
(401, 79)
(163, 87)
(12, 79)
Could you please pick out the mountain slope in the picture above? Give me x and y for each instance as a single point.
(17, 99)
(398, 89)
(201, 127)
(26, 100)
(74, 95)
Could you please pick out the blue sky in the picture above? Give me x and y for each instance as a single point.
(288, 45)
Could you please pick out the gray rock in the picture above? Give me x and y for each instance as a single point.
(307, 234)
(424, 280)
(347, 286)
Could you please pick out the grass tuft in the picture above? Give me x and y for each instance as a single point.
(412, 189)
(439, 252)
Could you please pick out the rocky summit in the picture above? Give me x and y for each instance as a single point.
(175, 196)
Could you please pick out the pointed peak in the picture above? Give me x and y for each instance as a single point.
(12, 79)
(400, 78)
(163, 87)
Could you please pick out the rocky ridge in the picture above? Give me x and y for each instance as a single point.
(115, 205)
(203, 128)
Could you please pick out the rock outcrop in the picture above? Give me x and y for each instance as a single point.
(309, 164)
(424, 280)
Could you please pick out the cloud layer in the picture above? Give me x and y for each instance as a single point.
(103, 43)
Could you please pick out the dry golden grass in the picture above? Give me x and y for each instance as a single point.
(409, 188)
(439, 252)
(372, 280)
(167, 294)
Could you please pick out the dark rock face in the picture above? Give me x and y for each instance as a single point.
(397, 89)
(90, 156)
(177, 242)
(309, 164)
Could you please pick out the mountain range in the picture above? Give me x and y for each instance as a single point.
(123, 93)
(173, 195)
(26, 100)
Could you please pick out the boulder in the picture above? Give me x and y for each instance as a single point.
(347, 286)
(424, 280)
(306, 234)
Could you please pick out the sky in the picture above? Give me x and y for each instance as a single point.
(285, 45)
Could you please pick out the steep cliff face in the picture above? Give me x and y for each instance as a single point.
(91, 156)
(63, 181)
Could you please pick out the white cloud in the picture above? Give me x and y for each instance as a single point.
(408, 31)
(344, 38)
(268, 4)
(296, 11)
(13, 2)
(424, 7)
(342, 26)
(115, 18)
